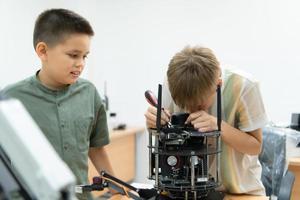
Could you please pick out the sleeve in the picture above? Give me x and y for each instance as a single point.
(3, 96)
(251, 111)
(100, 135)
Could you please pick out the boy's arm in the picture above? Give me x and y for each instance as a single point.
(248, 143)
(244, 142)
(100, 159)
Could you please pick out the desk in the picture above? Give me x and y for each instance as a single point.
(294, 166)
(227, 197)
(245, 197)
(121, 153)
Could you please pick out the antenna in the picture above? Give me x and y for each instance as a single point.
(158, 117)
(219, 108)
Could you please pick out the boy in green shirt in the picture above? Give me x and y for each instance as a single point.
(68, 109)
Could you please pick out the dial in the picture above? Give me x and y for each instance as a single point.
(172, 160)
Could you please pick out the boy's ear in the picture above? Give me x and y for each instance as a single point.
(220, 81)
(41, 50)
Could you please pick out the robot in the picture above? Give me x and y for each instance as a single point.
(180, 157)
(180, 160)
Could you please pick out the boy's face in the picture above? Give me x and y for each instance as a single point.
(208, 99)
(205, 104)
(64, 62)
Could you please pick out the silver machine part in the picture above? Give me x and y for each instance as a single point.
(194, 161)
(150, 153)
(156, 161)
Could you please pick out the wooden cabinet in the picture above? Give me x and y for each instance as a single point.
(294, 166)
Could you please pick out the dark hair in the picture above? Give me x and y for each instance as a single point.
(52, 26)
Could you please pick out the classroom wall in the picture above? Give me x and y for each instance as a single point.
(135, 40)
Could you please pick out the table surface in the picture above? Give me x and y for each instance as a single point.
(227, 197)
(245, 197)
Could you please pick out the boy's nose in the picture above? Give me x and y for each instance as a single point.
(80, 63)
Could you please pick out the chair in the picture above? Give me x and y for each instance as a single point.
(286, 186)
(273, 160)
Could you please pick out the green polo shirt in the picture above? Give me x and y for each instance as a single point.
(73, 119)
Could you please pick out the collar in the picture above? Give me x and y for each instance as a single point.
(35, 80)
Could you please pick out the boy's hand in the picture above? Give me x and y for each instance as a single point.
(202, 121)
(119, 197)
(151, 114)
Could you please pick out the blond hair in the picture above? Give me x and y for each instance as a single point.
(191, 74)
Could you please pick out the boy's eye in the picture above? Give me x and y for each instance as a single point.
(73, 55)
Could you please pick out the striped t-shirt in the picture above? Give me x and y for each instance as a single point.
(242, 107)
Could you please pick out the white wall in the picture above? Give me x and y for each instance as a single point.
(136, 38)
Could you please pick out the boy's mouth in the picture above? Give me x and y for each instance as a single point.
(75, 74)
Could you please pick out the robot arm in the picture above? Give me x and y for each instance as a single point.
(108, 181)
